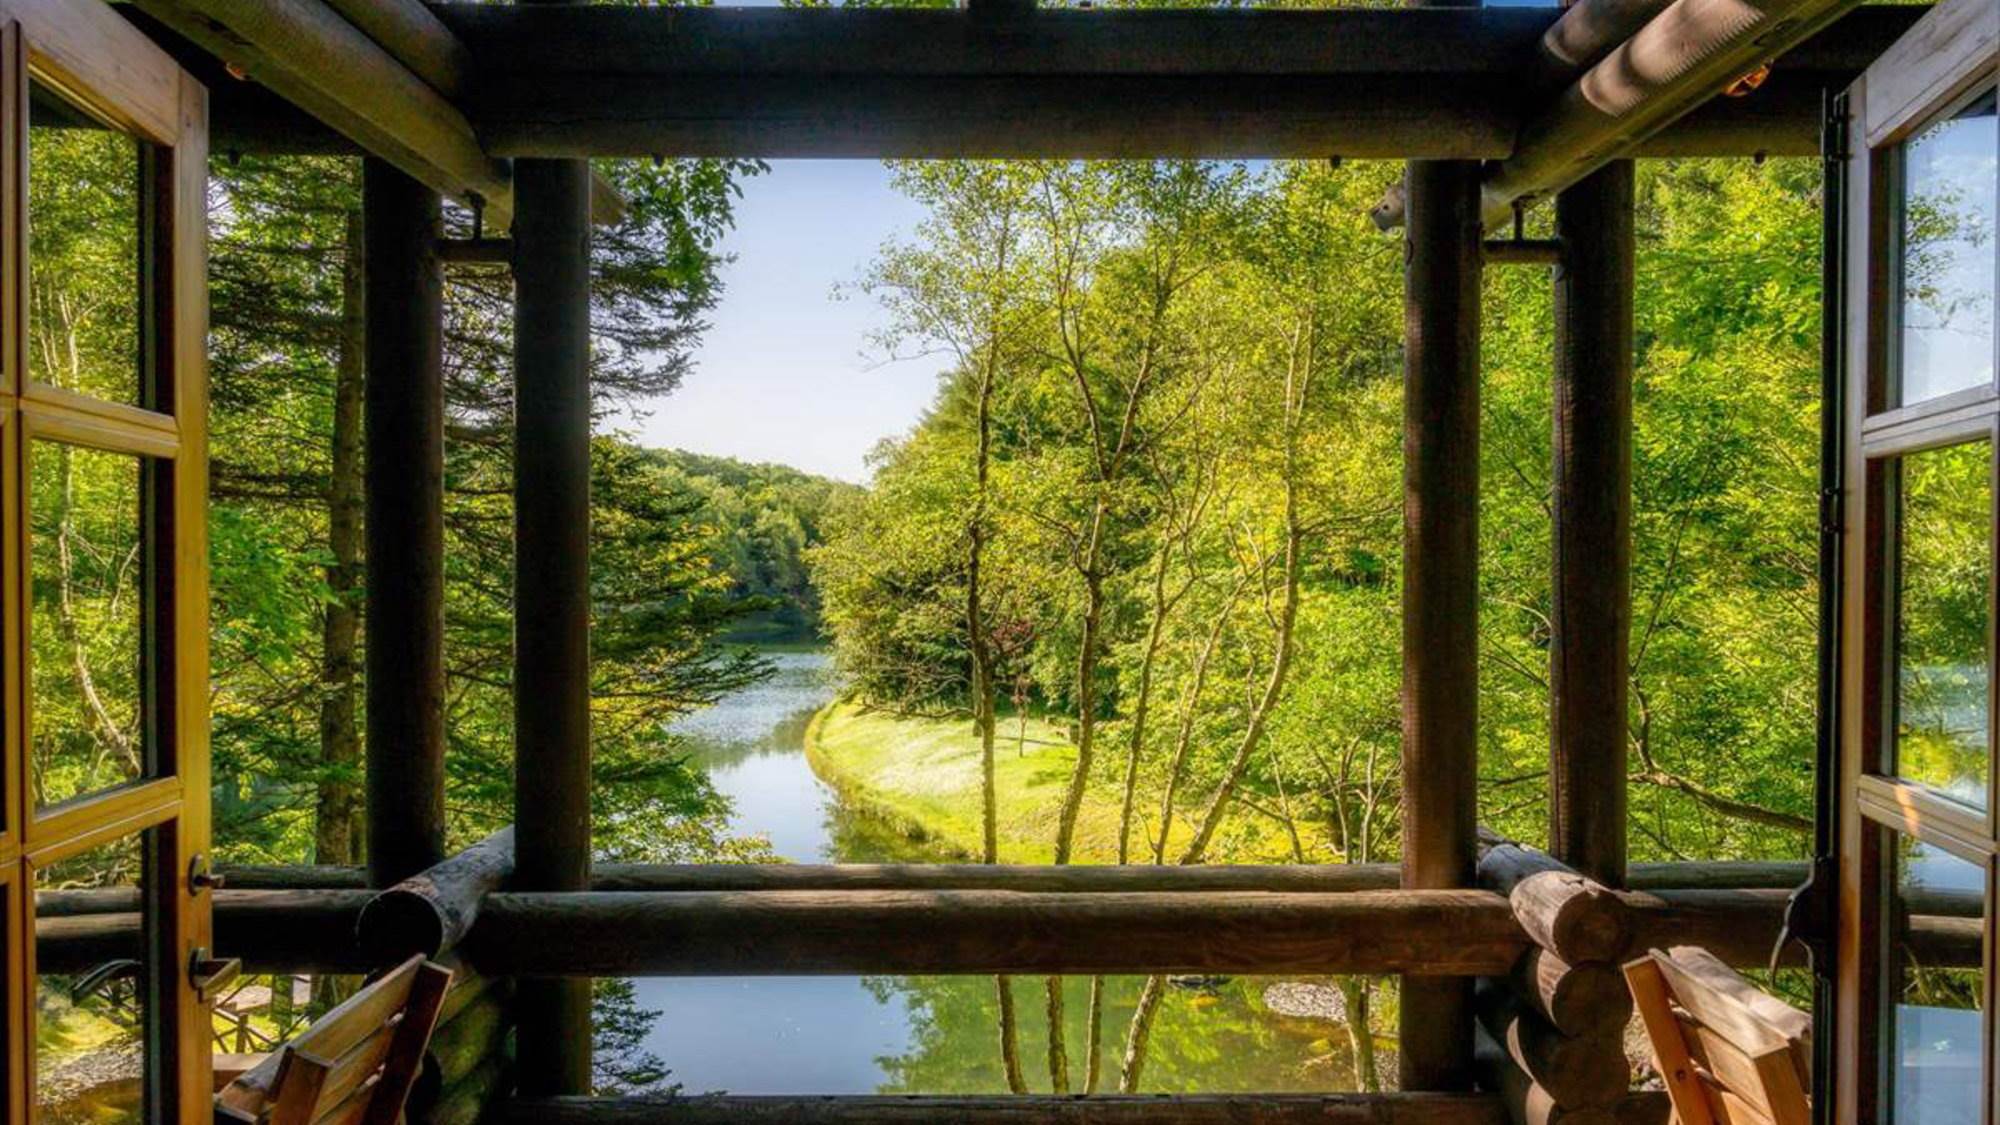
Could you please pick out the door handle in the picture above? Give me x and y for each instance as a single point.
(210, 975)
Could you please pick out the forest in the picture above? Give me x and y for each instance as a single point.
(1154, 509)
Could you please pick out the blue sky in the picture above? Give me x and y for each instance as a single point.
(787, 371)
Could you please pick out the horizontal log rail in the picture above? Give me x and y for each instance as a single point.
(272, 931)
(1018, 1109)
(703, 933)
(689, 933)
(1078, 878)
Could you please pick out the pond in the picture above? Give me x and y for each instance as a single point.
(934, 1035)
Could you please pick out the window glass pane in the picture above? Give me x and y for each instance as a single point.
(93, 984)
(1936, 986)
(1944, 561)
(1947, 265)
(87, 615)
(84, 296)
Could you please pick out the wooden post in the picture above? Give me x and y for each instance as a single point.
(1440, 588)
(552, 590)
(1591, 604)
(404, 412)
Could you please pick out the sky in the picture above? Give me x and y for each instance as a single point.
(788, 371)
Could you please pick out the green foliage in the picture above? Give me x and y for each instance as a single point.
(1262, 320)
(670, 543)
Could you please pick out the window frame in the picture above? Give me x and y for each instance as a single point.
(94, 57)
(1948, 58)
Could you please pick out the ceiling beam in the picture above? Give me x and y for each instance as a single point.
(306, 53)
(1683, 57)
(581, 80)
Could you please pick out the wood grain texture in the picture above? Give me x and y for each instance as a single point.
(1590, 604)
(1459, 933)
(403, 490)
(1576, 999)
(1576, 1071)
(432, 911)
(1239, 1109)
(1681, 58)
(1574, 917)
(305, 52)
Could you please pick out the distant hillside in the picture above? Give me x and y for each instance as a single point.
(769, 515)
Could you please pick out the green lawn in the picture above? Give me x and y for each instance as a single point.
(923, 772)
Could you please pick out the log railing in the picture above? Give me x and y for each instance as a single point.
(1014, 1109)
(1545, 940)
(1353, 921)
(1552, 1028)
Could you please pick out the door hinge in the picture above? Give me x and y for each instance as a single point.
(1830, 525)
(1833, 131)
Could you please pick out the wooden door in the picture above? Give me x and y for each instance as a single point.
(1919, 839)
(103, 584)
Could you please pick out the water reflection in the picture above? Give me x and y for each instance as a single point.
(938, 1035)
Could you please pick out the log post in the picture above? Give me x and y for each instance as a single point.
(404, 422)
(552, 589)
(1441, 310)
(1591, 603)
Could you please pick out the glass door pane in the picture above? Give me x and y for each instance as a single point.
(88, 602)
(1944, 568)
(1934, 942)
(1945, 263)
(96, 937)
(86, 286)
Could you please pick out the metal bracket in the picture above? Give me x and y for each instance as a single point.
(200, 878)
(1809, 919)
(210, 975)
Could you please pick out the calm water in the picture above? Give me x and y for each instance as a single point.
(842, 1035)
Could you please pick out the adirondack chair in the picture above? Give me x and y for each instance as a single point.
(1729, 1053)
(353, 1065)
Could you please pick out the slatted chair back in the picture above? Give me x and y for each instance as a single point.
(354, 1065)
(1729, 1053)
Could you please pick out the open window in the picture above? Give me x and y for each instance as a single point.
(1920, 812)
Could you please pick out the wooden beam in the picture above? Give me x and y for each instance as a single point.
(414, 37)
(1591, 485)
(870, 116)
(552, 815)
(272, 931)
(1440, 597)
(431, 911)
(1017, 1109)
(404, 489)
(1569, 914)
(1682, 57)
(305, 52)
(1323, 878)
(700, 933)
(1066, 879)
(515, 42)
(1447, 83)
(1523, 251)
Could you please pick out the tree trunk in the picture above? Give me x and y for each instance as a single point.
(1140, 1033)
(1058, 1050)
(1010, 1038)
(337, 835)
(1086, 681)
(1094, 1044)
(1360, 1038)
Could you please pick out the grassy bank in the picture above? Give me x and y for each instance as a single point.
(923, 773)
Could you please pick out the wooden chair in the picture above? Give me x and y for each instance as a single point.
(355, 1064)
(1730, 1054)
